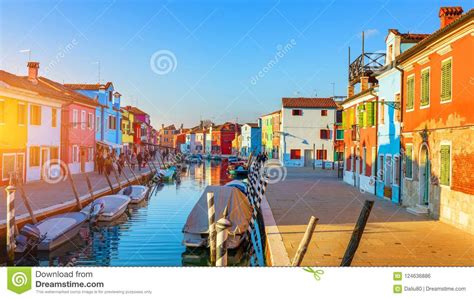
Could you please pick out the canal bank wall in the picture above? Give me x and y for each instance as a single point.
(58, 205)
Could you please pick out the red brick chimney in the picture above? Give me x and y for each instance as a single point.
(33, 71)
(447, 15)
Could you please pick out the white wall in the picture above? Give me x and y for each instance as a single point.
(301, 132)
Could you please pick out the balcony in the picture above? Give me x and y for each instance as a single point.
(367, 64)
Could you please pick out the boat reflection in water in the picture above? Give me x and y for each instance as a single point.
(150, 233)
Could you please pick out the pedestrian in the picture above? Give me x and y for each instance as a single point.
(100, 162)
(108, 164)
(133, 161)
(120, 163)
(140, 160)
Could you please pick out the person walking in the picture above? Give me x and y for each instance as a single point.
(140, 160)
(100, 162)
(108, 164)
(120, 163)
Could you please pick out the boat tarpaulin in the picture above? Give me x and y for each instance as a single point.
(239, 211)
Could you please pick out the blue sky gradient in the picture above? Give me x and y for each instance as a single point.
(219, 47)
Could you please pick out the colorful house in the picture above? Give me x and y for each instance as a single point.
(338, 137)
(128, 118)
(251, 139)
(222, 137)
(438, 121)
(166, 135)
(270, 133)
(38, 107)
(141, 128)
(108, 117)
(306, 131)
(389, 115)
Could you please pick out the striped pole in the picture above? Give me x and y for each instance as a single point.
(10, 238)
(211, 213)
(222, 233)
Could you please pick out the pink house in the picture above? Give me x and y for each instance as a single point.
(77, 130)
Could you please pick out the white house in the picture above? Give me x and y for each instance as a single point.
(307, 128)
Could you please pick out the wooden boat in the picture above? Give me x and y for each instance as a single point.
(107, 208)
(239, 171)
(168, 175)
(51, 232)
(196, 229)
(137, 193)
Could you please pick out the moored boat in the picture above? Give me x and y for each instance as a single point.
(107, 208)
(137, 193)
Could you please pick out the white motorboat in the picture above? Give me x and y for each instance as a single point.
(107, 208)
(137, 193)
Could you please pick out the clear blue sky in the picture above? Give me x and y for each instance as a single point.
(219, 47)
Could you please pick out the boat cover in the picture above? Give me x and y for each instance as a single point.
(55, 226)
(239, 210)
(136, 192)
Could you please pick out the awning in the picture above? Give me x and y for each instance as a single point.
(109, 144)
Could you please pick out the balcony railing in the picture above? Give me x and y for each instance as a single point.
(367, 64)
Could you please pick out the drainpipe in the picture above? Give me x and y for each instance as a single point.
(376, 138)
(400, 145)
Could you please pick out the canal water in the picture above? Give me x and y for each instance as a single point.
(151, 235)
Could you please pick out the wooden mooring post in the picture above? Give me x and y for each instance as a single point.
(303, 247)
(133, 173)
(357, 233)
(26, 200)
(222, 234)
(10, 237)
(89, 186)
(211, 214)
(117, 177)
(108, 181)
(74, 189)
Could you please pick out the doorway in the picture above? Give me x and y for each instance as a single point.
(83, 159)
(44, 161)
(308, 158)
(425, 175)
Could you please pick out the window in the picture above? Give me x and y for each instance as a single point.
(364, 161)
(295, 154)
(398, 115)
(390, 54)
(8, 165)
(339, 134)
(425, 87)
(321, 154)
(396, 170)
(372, 165)
(97, 123)
(21, 114)
(360, 115)
(83, 119)
(75, 118)
(2, 112)
(410, 92)
(445, 172)
(112, 122)
(35, 115)
(54, 117)
(54, 155)
(409, 161)
(446, 80)
(297, 112)
(324, 113)
(388, 170)
(34, 156)
(75, 153)
(324, 134)
(382, 112)
(339, 116)
(381, 166)
(110, 96)
(370, 114)
(90, 121)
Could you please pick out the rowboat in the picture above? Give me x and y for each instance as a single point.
(137, 193)
(50, 233)
(196, 229)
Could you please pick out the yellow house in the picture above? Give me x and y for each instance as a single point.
(127, 130)
(13, 133)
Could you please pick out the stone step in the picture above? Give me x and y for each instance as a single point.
(418, 210)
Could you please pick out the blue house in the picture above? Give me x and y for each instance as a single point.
(108, 118)
(251, 139)
(388, 174)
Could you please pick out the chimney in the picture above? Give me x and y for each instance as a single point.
(181, 127)
(364, 83)
(447, 15)
(350, 91)
(33, 71)
(162, 126)
(201, 124)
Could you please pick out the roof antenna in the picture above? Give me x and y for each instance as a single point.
(98, 70)
(27, 51)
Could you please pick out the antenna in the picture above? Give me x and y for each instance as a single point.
(333, 94)
(363, 51)
(98, 70)
(27, 51)
(349, 64)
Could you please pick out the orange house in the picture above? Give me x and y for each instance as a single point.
(438, 121)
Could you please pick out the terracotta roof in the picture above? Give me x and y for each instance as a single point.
(134, 110)
(450, 11)
(435, 35)
(408, 37)
(228, 126)
(271, 113)
(86, 86)
(45, 87)
(252, 125)
(170, 127)
(308, 103)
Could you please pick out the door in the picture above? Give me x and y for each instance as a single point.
(83, 159)
(424, 175)
(20, 166)
(308, 158)
(44, 161)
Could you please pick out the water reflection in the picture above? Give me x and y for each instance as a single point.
(149, 234)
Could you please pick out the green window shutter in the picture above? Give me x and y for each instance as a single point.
(370, 114)
(425, 87)
(446, 81)
(408, 161)
(410, 93)
(445, 165)
(360, 115)
(351, 116)
(344, 119)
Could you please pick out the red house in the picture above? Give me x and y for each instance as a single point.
(222, 137)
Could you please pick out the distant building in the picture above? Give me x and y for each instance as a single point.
(128, 119)
(166, 135)
(270, 127)
(306, 131)
(251, 139)
(142, 129)
(438, 121)
(222, 137)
